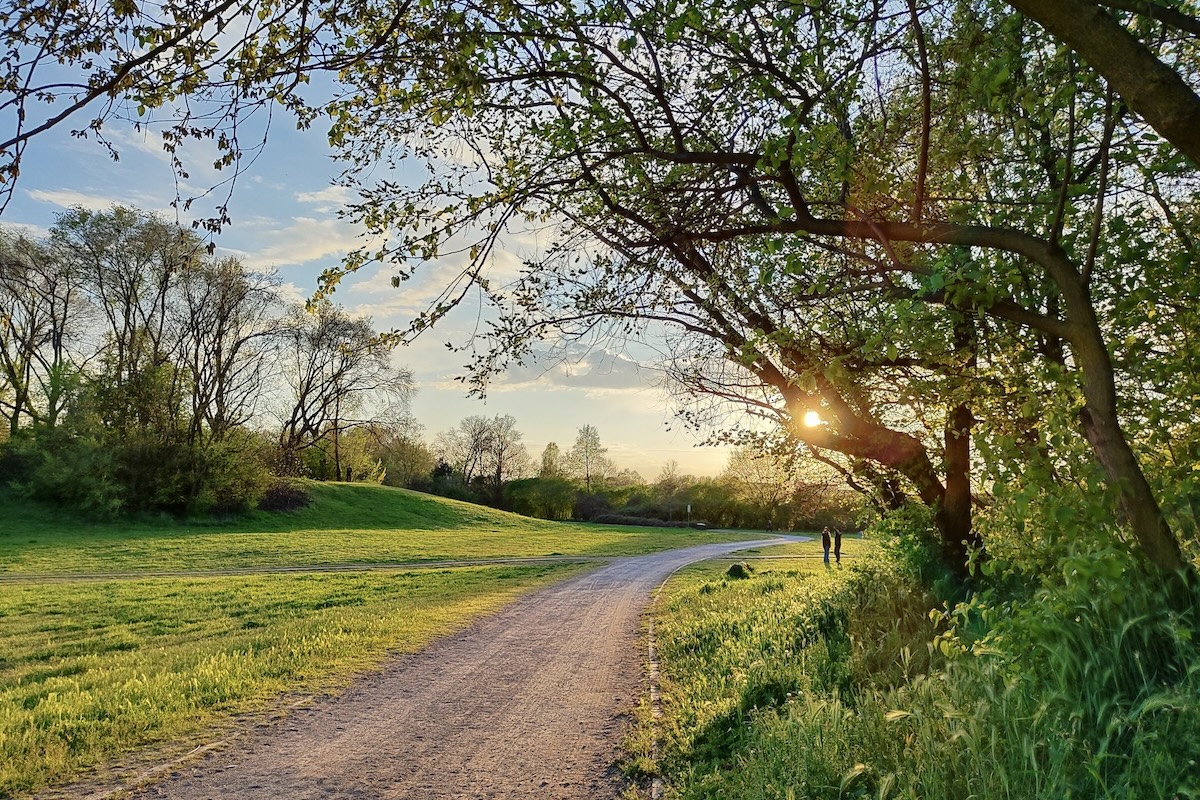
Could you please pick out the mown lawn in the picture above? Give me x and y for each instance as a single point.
(345, 524)
(94, 669)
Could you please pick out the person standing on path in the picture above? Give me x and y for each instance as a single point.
(837, 545)
(825, 544)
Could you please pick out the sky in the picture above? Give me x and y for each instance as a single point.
(284, 217)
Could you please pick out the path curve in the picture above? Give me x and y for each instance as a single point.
(529, 702)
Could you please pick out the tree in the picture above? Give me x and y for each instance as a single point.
(761, 480)
(696, 165)
(669, 478)
(406, 458)
(466, 446)
(786, 134)
(552, 463)
(228, 320)
(1152, 88)
(91, 64)
(41, 315)
(202, 72)
(587, 459)
(130, 264)
(488, 451)
(506, 458)
(336, 367)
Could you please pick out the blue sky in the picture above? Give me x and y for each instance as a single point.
(284, 210)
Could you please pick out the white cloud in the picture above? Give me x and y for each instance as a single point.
(147, 141)
(578, 365)
(27, 230)
(299, 241)
(69, 198)
(330, 197)
(292, 293)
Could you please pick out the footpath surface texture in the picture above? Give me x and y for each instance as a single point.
(530, 702)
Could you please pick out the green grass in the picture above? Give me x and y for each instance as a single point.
(806, 682)
(345, 524)
(94, 669)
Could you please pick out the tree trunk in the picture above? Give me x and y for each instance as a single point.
(1102, 428)
(959, 536)
(867, 439)
(953, 516)
(1151, 88)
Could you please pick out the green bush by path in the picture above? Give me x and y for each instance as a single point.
(807, 682)
(344, 524)
(94, 669)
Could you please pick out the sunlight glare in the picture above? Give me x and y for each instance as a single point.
(812, 419)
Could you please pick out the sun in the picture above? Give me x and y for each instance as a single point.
(812, 419)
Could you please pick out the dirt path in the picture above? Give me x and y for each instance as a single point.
(527, 703)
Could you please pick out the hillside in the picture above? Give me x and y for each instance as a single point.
(344, 524)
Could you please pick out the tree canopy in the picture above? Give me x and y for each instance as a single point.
(946, 227)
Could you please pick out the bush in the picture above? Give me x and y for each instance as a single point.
(102, 475)
(284, 496)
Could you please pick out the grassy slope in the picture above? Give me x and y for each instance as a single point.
(345, 524)
(91, 670)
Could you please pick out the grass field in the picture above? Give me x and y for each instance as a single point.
(94, 669)
(345, 524)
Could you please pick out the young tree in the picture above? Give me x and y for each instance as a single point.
(586, 457)
(552, 463)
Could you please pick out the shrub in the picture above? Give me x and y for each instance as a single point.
(284, 495)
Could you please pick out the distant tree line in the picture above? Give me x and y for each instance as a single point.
(483, 460)
(138, 372)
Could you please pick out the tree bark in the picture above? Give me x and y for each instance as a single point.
(960, 537)
(1102, 428)
(950, 503)
(1149, 87)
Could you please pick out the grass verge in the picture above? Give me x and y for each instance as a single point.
(806, 682)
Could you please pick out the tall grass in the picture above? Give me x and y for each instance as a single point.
(835, 684)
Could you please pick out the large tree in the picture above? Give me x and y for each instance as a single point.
(780, 179)
(204, 71)
(948, 154)
(42, 321)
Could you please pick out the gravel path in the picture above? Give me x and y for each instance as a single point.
(530, 702)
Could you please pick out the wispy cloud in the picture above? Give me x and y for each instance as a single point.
(329, 199)
(69, 198)
(579, 366)
(298, 241)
